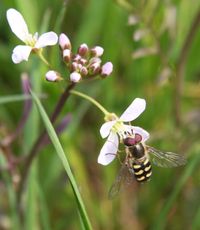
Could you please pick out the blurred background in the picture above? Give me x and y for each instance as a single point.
(154, 46)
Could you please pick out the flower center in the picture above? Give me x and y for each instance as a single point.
(118, 127)
(30, 40)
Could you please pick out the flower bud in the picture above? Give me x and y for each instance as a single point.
(95, 68)
(77, 58)
(83, 49)
(97, 51)
(67, 55)
(74, 66)
(64, 42)
(84, 71)
(53, 76)
(94, 60)
(83, 61)
(75, 77)
(107, 69)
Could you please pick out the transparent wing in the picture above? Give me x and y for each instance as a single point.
(166, 159)
(124, 177)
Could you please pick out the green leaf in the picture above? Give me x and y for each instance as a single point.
(59, 150)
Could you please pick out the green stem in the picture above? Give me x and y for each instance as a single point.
(61, 154)
(43, 59)
(106, 113)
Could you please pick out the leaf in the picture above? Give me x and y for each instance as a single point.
(59, 150)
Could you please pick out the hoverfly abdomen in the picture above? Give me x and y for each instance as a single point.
(142, 170)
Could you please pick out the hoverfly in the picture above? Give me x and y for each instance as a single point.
(137, 163)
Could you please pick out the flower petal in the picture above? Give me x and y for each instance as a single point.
(46, 39)
(134, 110)
(17, 24)
(21, 53)
(109, 150)
(135, 129)
(105, 128)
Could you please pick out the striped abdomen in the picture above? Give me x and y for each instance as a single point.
(142, 170)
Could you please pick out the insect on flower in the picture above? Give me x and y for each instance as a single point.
(114, 128)
(137, 164)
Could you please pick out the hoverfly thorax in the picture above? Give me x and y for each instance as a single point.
(140, 164)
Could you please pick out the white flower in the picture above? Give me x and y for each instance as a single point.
(112, 129)
(20, 29)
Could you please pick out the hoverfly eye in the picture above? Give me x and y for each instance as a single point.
(138, 138)
(129, 141)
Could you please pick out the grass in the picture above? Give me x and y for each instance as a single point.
(171, 199)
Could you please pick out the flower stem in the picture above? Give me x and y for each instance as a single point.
(91, 100)
(43, 59)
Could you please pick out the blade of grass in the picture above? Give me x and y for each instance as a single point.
(161, 219)
(55, 141)
(15, 98)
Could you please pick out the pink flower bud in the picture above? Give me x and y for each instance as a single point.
(107, 69)
(67, 55)
(53, 76)
(83, 49)
(94, 60)
(83, 61)
(95, 68)
(84, 71)
(75, 77)
(64, 42)
(97, 51)
(77, 58)
(74, 66)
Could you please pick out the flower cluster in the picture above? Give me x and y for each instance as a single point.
(116, 129)
(83, 64)
(86, 62)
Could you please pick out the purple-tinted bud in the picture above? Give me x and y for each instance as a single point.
(97, 51)
(67, 55)
(84, 71)
(77, 58)
(107, 69)
(95, 68)
(95, 60)
(83, 49)
(64, 42)
(83, 61)
(75, 77)
(53, 76)
(74, 66)
(79, 66)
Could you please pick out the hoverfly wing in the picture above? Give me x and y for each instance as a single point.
(165, 159)
(124, 177)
